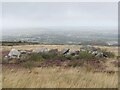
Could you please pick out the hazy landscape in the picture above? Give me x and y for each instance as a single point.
(59, 45)
(63, 36)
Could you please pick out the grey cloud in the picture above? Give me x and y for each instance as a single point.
(30, 14)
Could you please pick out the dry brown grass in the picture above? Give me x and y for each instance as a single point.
(57, 78)
(0, 80)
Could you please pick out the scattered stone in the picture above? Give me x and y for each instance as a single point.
(14, 53)
(94, 53)
(53, 51)
(87, 48)
(65, 51)
(23, 52)
(40, 50)
(99, 54)
(92, 50)
(104, 55)
(74, 52)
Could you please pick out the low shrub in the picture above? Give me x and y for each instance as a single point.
(69, 57)
(35, 57)
(84, 55)
(48, 55)
(42, 56)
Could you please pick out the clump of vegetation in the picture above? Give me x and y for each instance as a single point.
(108, 53)
(61, 57)
(57, 59)
(41, 56)
(85, 55)
(48, 55)
(28, 64)
(35, 57)
(69, 57)
(75, 63)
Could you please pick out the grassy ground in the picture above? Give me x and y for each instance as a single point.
(58, 77)
(0, 80)
(1, 77)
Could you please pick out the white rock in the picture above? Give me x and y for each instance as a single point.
(14, 53)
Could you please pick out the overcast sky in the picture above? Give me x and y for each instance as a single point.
(49, 14)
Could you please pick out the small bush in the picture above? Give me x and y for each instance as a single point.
(68, 57)
(84, 55)
(35, 57)
(48, 55)
(42, 56)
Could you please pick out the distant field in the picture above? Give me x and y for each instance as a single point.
(58, 77)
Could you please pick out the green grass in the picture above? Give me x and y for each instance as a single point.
(35, 57)
(85, 55)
